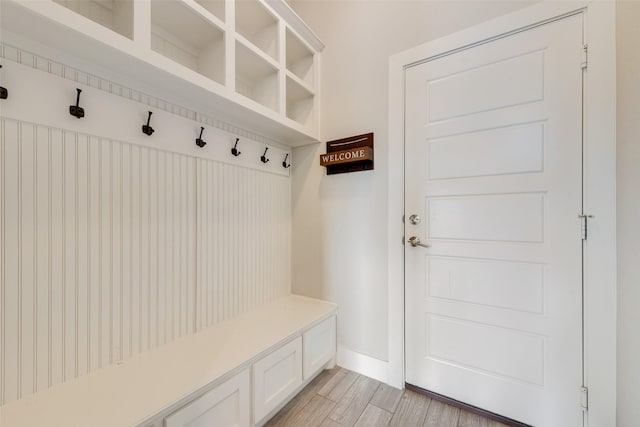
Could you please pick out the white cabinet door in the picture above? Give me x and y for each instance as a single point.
(227, 405)
(319, 346)
(275, 377)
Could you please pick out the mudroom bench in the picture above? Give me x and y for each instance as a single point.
(239, 372)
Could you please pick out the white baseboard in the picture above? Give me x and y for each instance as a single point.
(363, 364)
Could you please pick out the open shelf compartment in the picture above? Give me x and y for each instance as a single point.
(185, 36)
(300, 58)
(256, 78)
(215, 7)
(258, 25)
(300, 103)
(116, 15)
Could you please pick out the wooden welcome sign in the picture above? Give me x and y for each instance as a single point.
(349, 154)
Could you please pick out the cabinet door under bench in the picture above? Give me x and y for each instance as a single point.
(276, 377)
(227, 405)
(319, 346)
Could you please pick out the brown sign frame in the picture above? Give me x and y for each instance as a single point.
(360, 158)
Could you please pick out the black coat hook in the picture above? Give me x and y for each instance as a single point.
(284, 162)
(263, 158)
(76, 110)
(199, 142)
(4, 93)
(146, 129)
(234, 150)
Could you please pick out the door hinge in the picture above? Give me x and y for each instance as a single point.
(584, 398)
(585, 50)
(584, 225)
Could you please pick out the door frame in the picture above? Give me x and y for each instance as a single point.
(599, 166)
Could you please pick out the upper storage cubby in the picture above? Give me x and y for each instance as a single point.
(300, 103)
(116, 15)
(216, 7)
(188, 36)
(258, 25)
(252, 63)
(256, 78)
(300, 58)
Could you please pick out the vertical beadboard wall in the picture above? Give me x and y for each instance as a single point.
(243, 240)
(110, 248)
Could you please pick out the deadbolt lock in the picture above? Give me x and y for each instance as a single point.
(414, 219)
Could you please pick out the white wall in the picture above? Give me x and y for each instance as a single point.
(340, 222)
(628, 204)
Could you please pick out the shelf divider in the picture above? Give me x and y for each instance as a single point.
(282, 75)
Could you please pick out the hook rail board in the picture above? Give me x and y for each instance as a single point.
(351, 154)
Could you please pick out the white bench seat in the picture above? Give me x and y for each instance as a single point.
(157, 382)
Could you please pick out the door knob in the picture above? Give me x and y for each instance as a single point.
(414, 241)
(414, 219)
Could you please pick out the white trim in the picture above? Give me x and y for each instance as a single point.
(600, 175)
(395, 227)
(296, 23)
(362, 364)
(600, 200)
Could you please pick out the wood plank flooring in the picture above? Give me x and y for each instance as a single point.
(341, 398)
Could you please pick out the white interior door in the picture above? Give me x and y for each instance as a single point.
(494, 171)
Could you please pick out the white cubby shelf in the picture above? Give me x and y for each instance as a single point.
(256, 77)
(117, 15)
(188, 37)
(259, 25)
(300, 101)
(215, 7)
(300, 58)
(252, 63)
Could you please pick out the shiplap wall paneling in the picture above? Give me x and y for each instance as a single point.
(97, 255)
(243, 239)
(100, 240)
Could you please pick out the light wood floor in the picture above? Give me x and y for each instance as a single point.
(341, 398)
